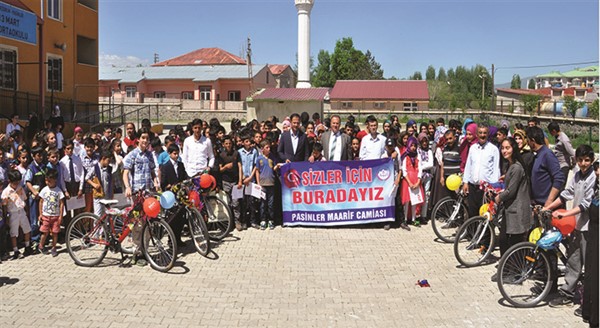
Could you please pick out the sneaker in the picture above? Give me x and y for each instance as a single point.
(386, 227)
(494, 277)
(139, 261)
(54, 252)
(578, 312)
(244, 226)
(263, 225)
(255, 226)
(28, 251)
(417, 223)
(43, 250)
(404, 226)
(17, 255)
(238, 226)
(561, 300)
(271, 225)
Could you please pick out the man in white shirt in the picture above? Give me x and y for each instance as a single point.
(197, 153)
(372, 146)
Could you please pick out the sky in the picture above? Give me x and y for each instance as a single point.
(403, 35)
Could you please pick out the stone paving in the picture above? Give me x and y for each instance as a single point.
(288, 277)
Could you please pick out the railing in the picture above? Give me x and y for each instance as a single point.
(119, 114)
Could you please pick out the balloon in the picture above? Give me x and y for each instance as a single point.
(151, 207)
(167, 199)
(535, 235)
(207, 181)
(194, 198)
(566, 224)
(453, 182)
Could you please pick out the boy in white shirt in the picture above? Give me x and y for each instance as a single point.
(13, 197)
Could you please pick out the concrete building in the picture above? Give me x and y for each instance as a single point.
(583, 78)
(282, 102)
(285, 76)
(385, 95)
(48, 56)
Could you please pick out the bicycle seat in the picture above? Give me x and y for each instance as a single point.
(107, 202)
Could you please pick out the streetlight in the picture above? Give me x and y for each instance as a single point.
(482, 77)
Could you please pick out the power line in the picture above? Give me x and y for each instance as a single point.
(554, 65)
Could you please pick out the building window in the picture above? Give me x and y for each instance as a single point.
(87, 51)
(410, 106)
(580, 93)
(130, 92)
(379, 105)
(159, 94)
(55, 9)
(205, 93)
(187, 95)
(8, 69)
(556, 93)
(234, 96)
(54, 77)
(346, 104)
(267, 77)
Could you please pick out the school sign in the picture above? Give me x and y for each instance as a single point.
(17, 24)
(337, 193)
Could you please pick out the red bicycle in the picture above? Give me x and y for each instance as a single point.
(89, 237)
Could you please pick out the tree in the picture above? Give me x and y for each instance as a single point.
(430, 73)
(571, 105)
(322, 73)
(376, 73)
(530, 102)
(593, 110)
(348, 63)
(416, 76)
(531, 84)
(515, 83)
(442, 74)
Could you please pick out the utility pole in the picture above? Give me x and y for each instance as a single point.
(249, 63)
(493, 105)
(156, 58)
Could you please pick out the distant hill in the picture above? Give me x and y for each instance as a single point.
(523, 83)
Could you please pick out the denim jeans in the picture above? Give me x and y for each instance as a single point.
(266, 205)
(34, 206)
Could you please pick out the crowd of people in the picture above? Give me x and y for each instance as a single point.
(39, 173)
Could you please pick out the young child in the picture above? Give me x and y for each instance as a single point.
(580, 190)
(53, 163)
(72, 171)
(35, 180)
(247, 171)
(265, 175)
(317, 152)
(411, 171)
(89, 159)
(51, 210)
(103, 171)
(13, 197)
(172, 173)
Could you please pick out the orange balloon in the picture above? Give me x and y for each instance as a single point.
(207, 181)
(151, 207)
(566, 224)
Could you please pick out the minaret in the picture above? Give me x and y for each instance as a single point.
(304, 7)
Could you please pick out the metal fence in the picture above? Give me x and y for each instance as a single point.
(25, 103)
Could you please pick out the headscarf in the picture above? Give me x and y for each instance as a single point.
(492, 131)
(286, 123)
(465, 124)
(411, 154)
(523, 136)
(423, 152)
(505, 124)
(388, 122)
(465, 145)
(410, 123)
(439, 132)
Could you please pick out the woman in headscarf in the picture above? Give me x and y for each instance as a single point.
(411, 127)
(411, 171)
(464, 129)
(505, 124)
(526, 154)
(469, 140)
(426, 159)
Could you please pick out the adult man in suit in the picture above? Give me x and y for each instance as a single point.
(293, 145)
(335, 143)
(171, 173)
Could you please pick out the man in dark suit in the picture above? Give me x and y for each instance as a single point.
(171, 173)
(335, 143)
(293, 145)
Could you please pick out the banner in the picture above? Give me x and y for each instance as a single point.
(17, 24)
(338, 193)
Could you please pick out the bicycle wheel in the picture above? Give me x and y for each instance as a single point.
(158, 244)
(219, 219)
(87, 239)
(524, 275)
(127, 245)
(199, 231)
(446, 217)
(474, 241)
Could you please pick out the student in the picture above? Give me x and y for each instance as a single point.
(13, 197)
(88, 159)
(580, 190)
(104, 185)
(23, 160)
(53, 163)
(247, 171)
(317, 152)
(51, 211)
(265, 176)
(173, 171)
(228, 167)
(411, 171)
(35, 180)
(391, 151)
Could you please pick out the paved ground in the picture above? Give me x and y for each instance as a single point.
(292, 277)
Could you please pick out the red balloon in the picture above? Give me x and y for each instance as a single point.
(151, 207)
(194, 198)
(566, 224)
(207, 181)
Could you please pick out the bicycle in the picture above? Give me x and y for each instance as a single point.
(89, 237)
(527, 271)
(447, 215)
(216, 212)
(476, 238)
(186, 206)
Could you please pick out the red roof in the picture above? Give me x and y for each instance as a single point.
(277, 69)
(380, 89)
(204, 56)
(546, 92)
(293, 94)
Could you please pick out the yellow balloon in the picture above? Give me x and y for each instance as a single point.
(484, 209)
(453, 182)
(535, 235)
